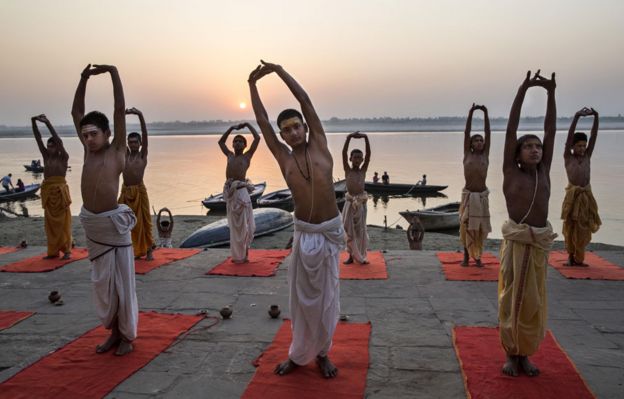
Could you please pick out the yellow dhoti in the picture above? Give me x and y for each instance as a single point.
(522, 287)
(136, 198)
(55, 200)
(474, 217)
(580, 219)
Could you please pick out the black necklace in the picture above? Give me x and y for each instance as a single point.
(305, 154)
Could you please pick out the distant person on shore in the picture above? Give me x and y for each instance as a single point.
(579, 210)
(165, 229)
(55, 198)
(385, 178)
(133, 191)
(376, 177)
(423, 181)
(313, 275)
(527, 235)
(236, 191)
(106, 223)
(474, 210)
(354, 211)
(6, 182)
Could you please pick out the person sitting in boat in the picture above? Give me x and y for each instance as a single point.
(385, 178)
(20, 186)
(6, 182)
(236, 191)
(423, 181)
(376, 178)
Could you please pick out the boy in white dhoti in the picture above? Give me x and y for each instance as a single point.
(313, 274)
(236, 192)
(107, 225)
(354, 211)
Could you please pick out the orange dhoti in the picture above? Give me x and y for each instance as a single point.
(55, 200)
(522, 306)
(136, 198)
(580, 219)
(474, 218)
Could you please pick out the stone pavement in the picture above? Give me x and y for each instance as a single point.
(412, 314)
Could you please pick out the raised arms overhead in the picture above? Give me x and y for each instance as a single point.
(37, 134)
(367, 156)
(256, 139)
(594, 133)
(345, 152)
(134, 111)
(223, 140)
(55, 137)
(550, 120)
(567, 151)
(468, 129)
(78, 107)
(486, 129)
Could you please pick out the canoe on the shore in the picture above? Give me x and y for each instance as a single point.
(443, 217)
(401, 188)
(268, 220)
(217, 202)
(276, 199)
(13, 195)
(34, 169)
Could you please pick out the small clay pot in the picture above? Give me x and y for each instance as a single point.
(226, 312)
(274, 311)
(54, 296)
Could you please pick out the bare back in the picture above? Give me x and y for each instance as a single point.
(100, 179)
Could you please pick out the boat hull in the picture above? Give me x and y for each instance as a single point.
(444, 217)
(29, 191)
(216, 202)
(401, 189)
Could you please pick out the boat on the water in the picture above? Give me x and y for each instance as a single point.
(13, 195)
(401, 188)
(276, 199)
(217, 202)
(443, 217)
(268, 220)
(34, 169)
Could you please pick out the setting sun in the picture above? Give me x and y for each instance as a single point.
(242, 105)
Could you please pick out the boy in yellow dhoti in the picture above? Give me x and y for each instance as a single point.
(354, 211)
(55, 198)
(236, 191)
(474, 210)
(527, 234)
(579, 210)
(133, 191)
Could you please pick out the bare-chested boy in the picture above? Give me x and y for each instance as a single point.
(55, 198)
(313, 275)
(528, 236)
(474, 211)
(107, 224)
(354, 211)
(133, 191)
(236, 192)
(579, 210)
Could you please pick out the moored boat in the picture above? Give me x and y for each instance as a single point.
(443, 217)
(276, 199)
(401, 188)
(34, 169)
(217, 202)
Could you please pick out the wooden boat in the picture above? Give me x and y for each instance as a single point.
(276, 199)
(217, 202)
(401, 188)
(34, 169)
(13, 195)
(268, 220)
(443, 217)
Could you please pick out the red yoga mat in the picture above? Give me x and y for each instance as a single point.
(481, 358)
(163, 256)
(375, 270)
(262, 263)
(36, 264)
(8, 318)
(454, 271)
(349, 353)
(76, 371)
(7, 250)
(598, 269)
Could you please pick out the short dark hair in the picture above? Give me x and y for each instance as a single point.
(579, 136)
(287, 114)
(356, 151)
(134, 135)
(51, 140)
(95, 118)
(474, 136)
(240, 136)
(522, 139)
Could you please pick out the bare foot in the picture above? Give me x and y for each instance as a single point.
(50, 257)
(137, 257)
(124, 348)
(327, 367)
(66, 256)
(241, 261)
(348, 261)
(511, 366)
(108, 344)
(150, 255)
(478, 263)
(285, 367)
(464, 263)
(528, 367)
(365, 262)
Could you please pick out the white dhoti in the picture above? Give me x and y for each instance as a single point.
(109, 242)
(240, 217)
(313, 278)
(354, 220)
